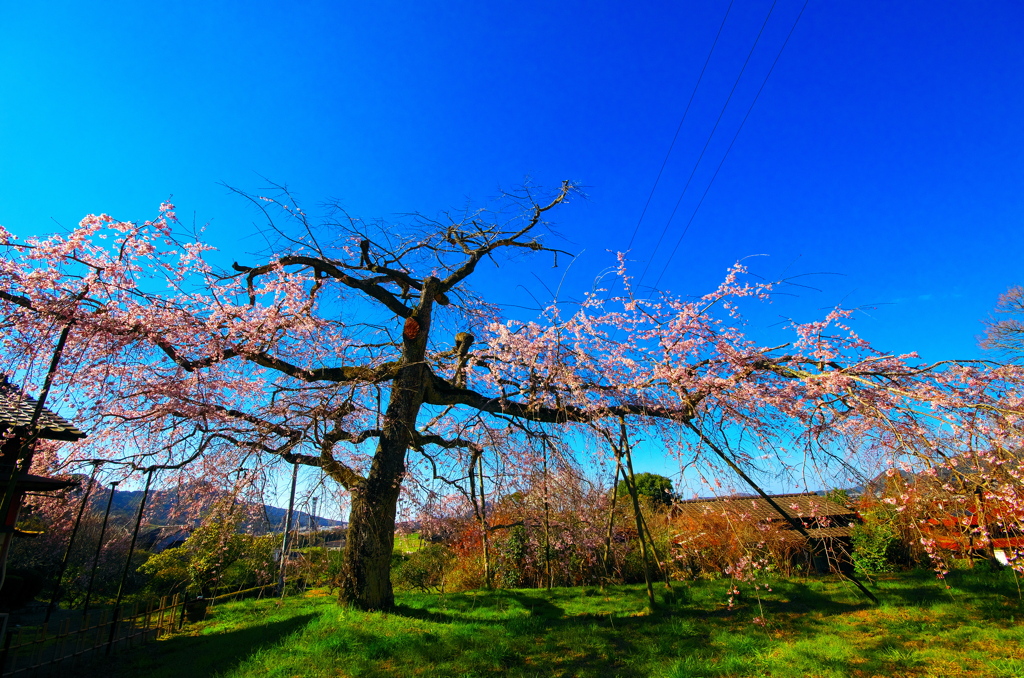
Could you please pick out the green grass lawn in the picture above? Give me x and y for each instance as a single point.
(408, 543)
(814, 627)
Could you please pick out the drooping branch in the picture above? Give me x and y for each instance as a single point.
(796, 524)
(659, 364)
(348, 373)
(17, 300)
(1007, 334)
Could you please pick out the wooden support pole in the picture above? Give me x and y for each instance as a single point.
(285, 543)
(771, 502)
(128, 560)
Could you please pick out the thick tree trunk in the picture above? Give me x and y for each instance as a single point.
(370, 541)
(370, 538)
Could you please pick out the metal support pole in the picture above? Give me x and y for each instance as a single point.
(71, 542)
(99, 547)
(287, 532)
(128, 560)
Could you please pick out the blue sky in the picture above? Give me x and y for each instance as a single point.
(885, 150)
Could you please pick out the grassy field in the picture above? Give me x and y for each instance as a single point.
(815, 627)
(408, 543)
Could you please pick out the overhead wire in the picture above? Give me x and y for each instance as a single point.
(731, 144)
(679, 127)
(707, 143)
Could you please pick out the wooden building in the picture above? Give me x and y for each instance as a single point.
(725, 523)
(17, 411)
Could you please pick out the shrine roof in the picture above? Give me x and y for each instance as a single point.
(17, 408)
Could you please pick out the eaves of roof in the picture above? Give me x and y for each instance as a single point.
(17, 409)
(800, 506)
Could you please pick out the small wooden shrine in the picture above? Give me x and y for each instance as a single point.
(17, 412)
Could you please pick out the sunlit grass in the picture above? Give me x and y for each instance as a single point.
(800, 628)
(408, 543)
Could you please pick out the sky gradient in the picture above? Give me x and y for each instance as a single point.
(884, 153)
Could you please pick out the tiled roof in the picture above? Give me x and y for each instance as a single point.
(821, 517)
(16, 411)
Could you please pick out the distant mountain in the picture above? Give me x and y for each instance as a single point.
(161, 504)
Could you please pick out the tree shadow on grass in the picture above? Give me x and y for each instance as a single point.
(539, 637)
(465, 608)
(529, 633)
(802, 598)
(923, 588)
(537, 605)
(884, 655)
(997, 593)
(202, 656)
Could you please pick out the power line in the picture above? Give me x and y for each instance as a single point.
(731, 143)
(707, 143)
(680, 126)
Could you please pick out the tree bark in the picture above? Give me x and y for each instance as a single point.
(629, 478)
(606, 560)
(370, 538)
(370, 541)
(483, 524)
(480, 509)
(547, 525)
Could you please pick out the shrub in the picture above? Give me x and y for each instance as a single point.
(655, 487)
(423, 570)
(876, 541)
(214, 555)
(510, 558)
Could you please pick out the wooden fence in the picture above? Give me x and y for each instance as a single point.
(254, 592)
(54, 647)
(51, 649)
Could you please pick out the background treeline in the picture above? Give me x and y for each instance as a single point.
(558, 530)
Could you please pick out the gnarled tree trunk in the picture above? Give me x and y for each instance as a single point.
(370, 538)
